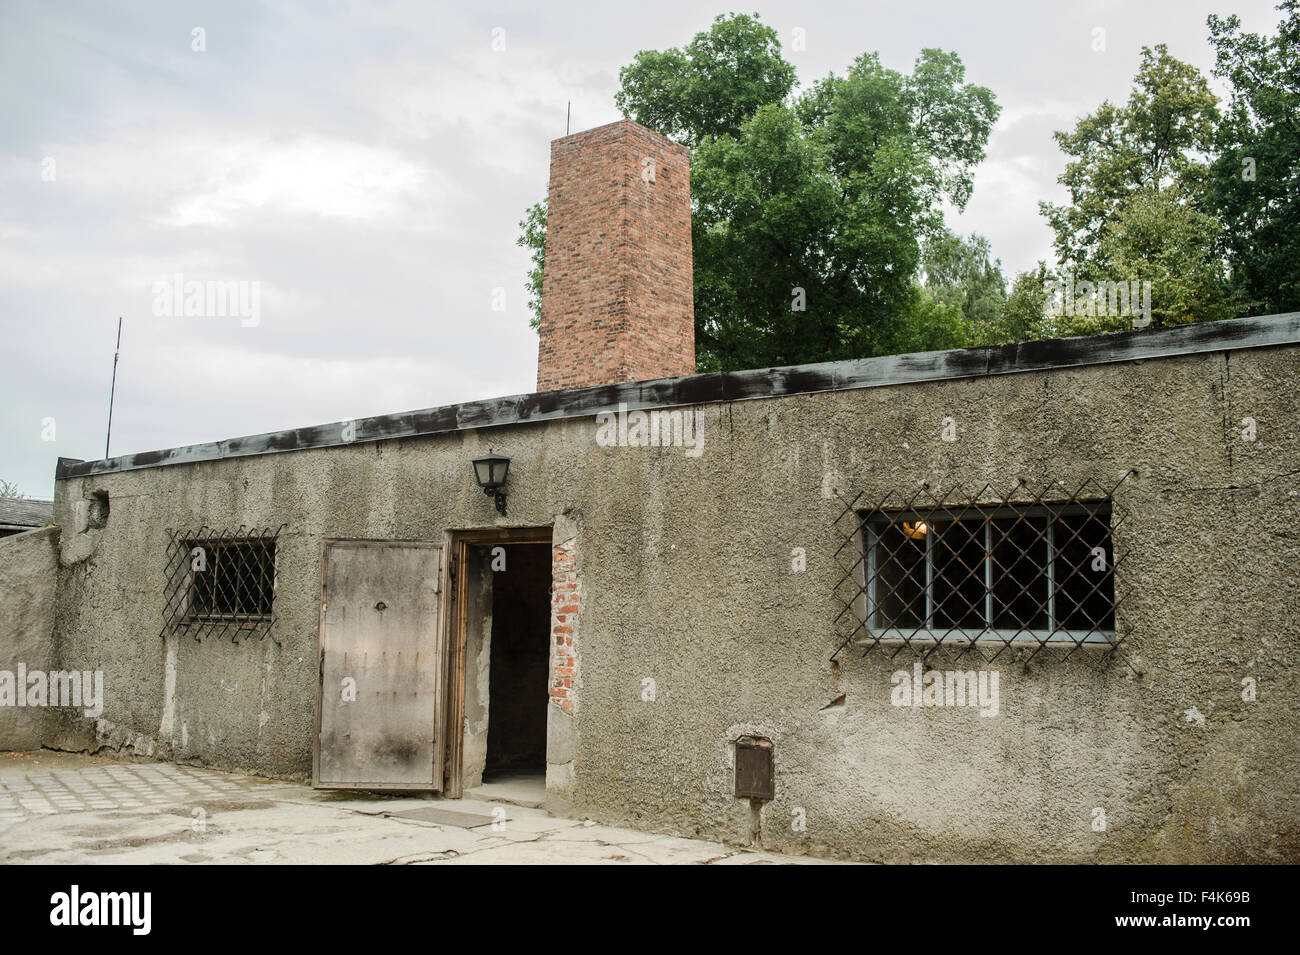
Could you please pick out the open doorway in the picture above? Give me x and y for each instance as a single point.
(519, 663)
(504, 592)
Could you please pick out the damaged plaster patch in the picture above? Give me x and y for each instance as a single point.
(167, 728)
(109, 735)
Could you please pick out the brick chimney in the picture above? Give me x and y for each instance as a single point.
(617, 286)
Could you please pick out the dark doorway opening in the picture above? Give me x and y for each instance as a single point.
(520, 662)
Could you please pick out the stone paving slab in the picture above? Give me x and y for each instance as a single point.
(73, 809)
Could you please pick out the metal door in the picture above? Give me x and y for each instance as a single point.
(379, 701)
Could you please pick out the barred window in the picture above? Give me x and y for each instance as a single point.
(221, 581)
(1036, 574)
(231, 580)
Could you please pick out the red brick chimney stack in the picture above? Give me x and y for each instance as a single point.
(617, 286)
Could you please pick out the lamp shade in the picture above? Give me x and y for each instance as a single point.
(490, 472)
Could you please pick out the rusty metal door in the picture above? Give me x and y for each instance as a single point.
(380, 698)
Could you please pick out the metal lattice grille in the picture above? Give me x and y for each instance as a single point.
(984, 573)
(221, 582)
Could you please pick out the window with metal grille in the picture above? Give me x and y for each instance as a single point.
(1034, 574)
(221, 581)
(231, 580)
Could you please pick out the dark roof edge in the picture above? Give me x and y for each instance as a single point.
(1230, 334)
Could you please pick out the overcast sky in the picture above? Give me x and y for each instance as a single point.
(367, 164)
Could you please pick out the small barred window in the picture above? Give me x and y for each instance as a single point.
(231, 580)
(220, 581)
(982, 573)
(1038, 574)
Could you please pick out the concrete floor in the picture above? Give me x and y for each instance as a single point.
(59, 808)
(524, 789)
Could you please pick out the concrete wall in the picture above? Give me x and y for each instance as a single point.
(29, 565)
(685, 578)
(478, 670)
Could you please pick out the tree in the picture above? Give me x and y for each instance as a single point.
(1254, 185)
(927, 324)
(826, 201)
(709, 88)
(1137, 182)
(1171, 245)
(1150, 144)
(962, 274)
(809, 211)
(1025, 317)
(8, 489)
(532, 236)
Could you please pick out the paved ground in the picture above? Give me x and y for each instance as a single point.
(58, 808)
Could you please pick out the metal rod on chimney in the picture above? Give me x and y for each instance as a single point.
(567, 109)
(113, 387)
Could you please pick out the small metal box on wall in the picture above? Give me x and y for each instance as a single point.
(755, 776)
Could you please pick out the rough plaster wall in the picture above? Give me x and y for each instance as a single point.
(29, 565)
(736, 642)
(685, 573)
(478, 657)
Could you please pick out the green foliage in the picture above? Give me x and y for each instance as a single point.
(1150, 145)
(925, 324)
(1137, 188)
(761, 204)
(8, 489)
(1157, 238)
(532, 236)
(1254, 185)
(1025, 317)
(710, 87)
(951, 120)
(832, 195)
(962, 274)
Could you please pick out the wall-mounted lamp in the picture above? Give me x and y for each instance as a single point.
(490, 472)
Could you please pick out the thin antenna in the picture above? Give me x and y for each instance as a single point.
(567, 109)
(113, 387)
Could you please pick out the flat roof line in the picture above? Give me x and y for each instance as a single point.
(1228, 335)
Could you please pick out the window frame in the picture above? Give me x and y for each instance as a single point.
(212, 546)
(870, 521)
